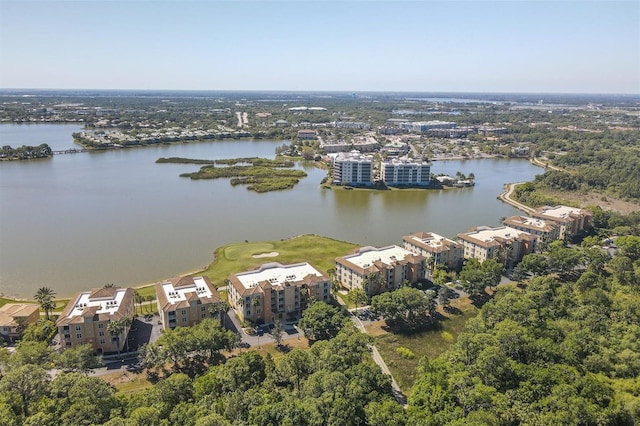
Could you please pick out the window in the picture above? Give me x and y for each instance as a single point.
(102, 342)
(184, 320)
(203, 316)
(68, 343)
(78, 335)
(203, 308)
(78, 328)
(101, 333)
(101, 325)
(65, 328)
(184, 312)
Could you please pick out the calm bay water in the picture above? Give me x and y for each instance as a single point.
(84, 220)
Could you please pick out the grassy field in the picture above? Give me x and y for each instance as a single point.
(429, 343)
(319, 251)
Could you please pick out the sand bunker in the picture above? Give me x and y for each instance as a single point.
(272, 254)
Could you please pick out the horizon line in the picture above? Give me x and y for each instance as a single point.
(5, 89)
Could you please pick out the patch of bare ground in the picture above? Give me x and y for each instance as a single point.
(606, 202)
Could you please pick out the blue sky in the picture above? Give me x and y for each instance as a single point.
(452, 46)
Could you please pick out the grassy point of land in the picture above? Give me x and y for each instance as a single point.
(238, 257)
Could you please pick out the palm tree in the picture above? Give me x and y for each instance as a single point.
(117, 327)
(44, 296)
(138, 298)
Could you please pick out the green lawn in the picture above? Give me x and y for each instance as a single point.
(4, 301)
(429, 343)
(319, 251)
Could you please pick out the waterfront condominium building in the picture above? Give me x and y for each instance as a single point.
(352, 168)
(15, 317)
(571, 220)
(276, 292)
(545, 230)
(186, 301)
(86, 318)
(405, 171)
(429, 245)
(503, 243)
(377, 270)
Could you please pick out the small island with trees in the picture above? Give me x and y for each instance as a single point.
(260, 174)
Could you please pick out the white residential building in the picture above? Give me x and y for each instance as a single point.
(571, 220)
(484, 242)
(86, 318)
(185, 301)
(444, 251)
(393, 265)
(545, 230)
(405, 171)
(352, 168)
(275, 291)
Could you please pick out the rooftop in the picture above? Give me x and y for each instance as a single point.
(277, 274)
(366, 256)
(561, 212)
(11, 311)
(106, 302)
(485, 235)
(529, 222)
(430, 240)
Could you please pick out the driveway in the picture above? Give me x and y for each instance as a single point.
(262, 336)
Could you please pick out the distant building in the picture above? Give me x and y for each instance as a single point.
(484, 242)
(281, 123)
(15, 317)
(396, 148)
(405, 171)
(391, 265)
(572, 220)
(491, 130)
(86, 318)
(185, 301)
(545, 230)
(352, 168)
(430, 245)
(425, 126)
(307, 135)
(353, 125)
(276, 292)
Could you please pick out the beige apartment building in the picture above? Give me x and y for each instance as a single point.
(571, 220)
(186, 301)
(86, 318)
(277, 292)
(15, 317)
(443, 251)
(394, 266)
(545, 230)
(484, 242)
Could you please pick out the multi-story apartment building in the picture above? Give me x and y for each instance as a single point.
(352, 168)
(405, 171)
(308, 135)
(377, 270)
(571, 220)
(429, 245)
(86, 318)
(545, 230)
(15, 317)
(355, 125)
(275, 291)
(186, 301)
(503, 243)
(425, 126)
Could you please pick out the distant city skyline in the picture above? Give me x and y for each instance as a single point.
(419, 46)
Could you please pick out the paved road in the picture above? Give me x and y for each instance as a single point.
(377, 358)
(506, 197)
